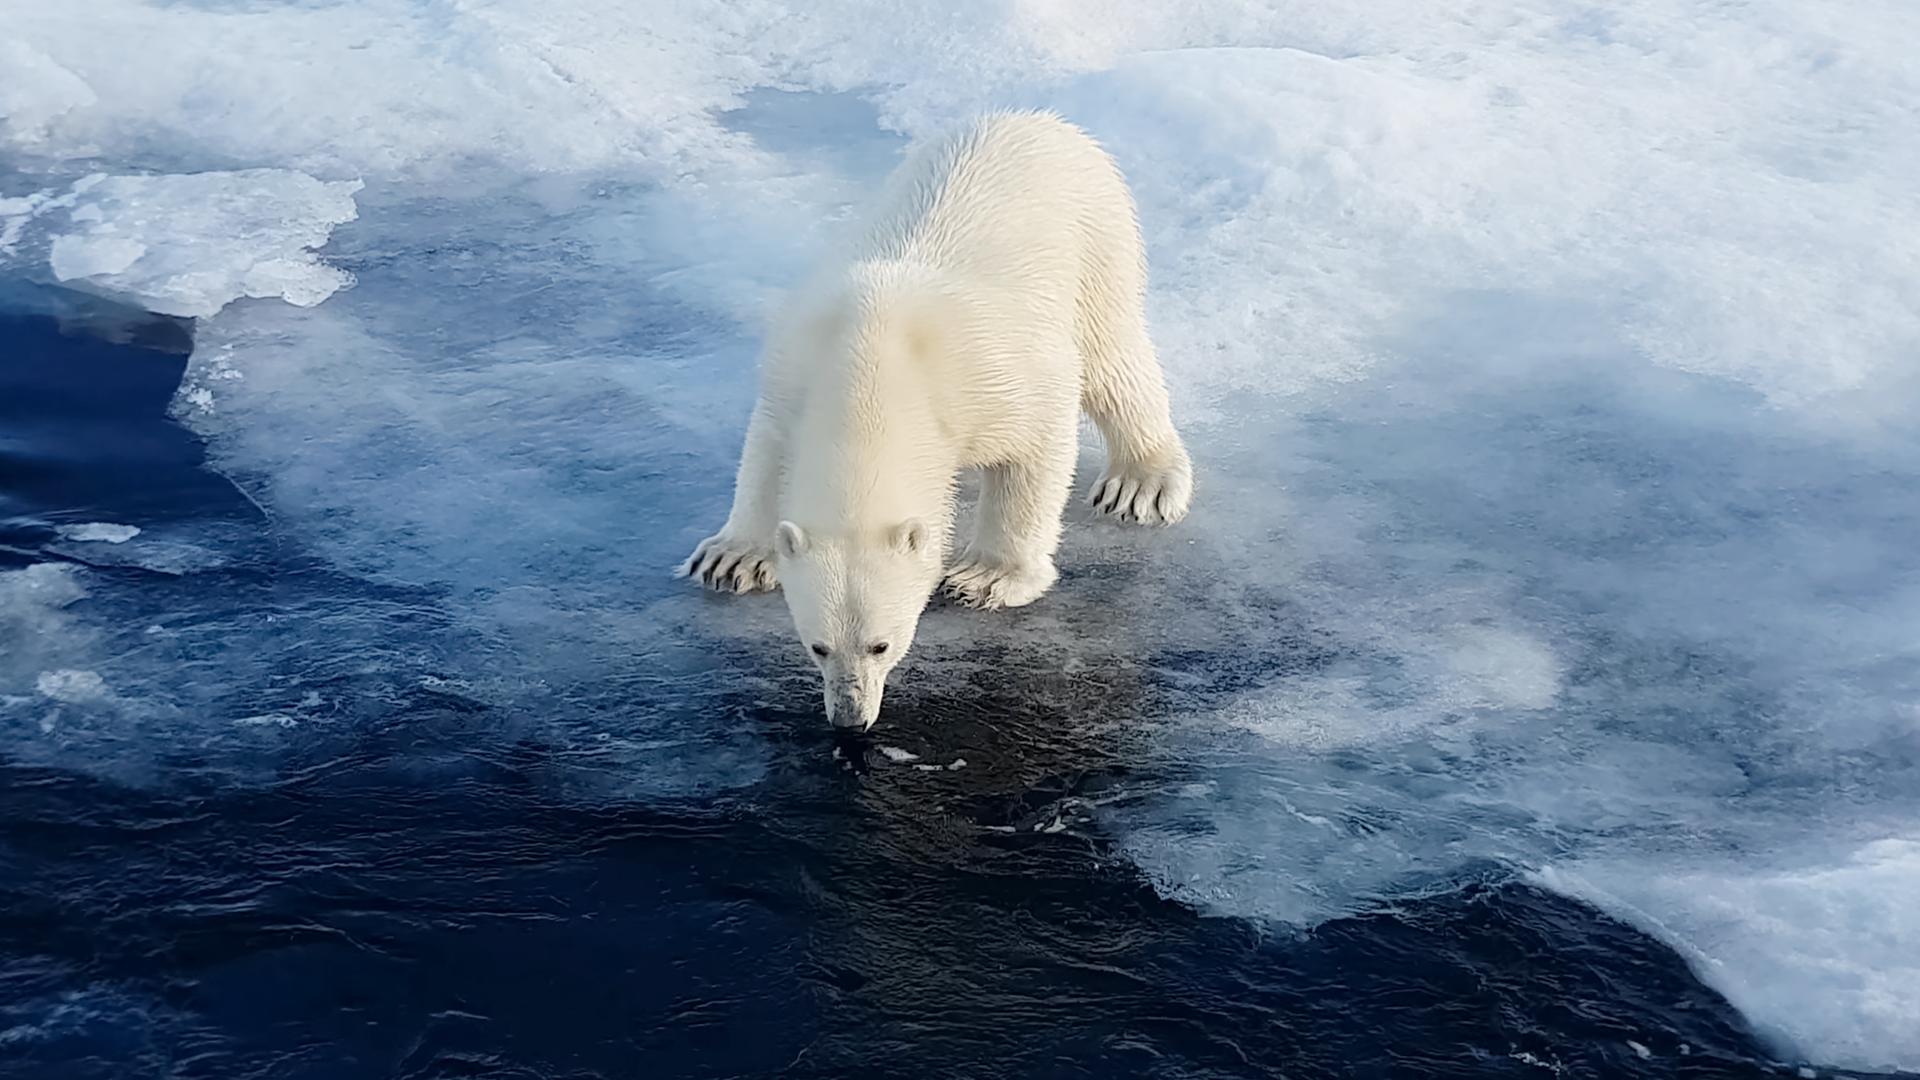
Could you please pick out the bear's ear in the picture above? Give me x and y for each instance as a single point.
(789, 539)
(910, 537)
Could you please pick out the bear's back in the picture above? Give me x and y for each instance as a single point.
(1009, 198)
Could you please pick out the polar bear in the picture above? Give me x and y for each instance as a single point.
(996, 290)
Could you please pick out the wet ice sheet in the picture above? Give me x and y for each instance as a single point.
(1548, 368)
(1817, 950)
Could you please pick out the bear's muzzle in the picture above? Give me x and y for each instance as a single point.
(849, 709)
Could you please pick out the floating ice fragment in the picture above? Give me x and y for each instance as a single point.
(72, 686)
(1527, 1058)
(104, 531)
(899, 756)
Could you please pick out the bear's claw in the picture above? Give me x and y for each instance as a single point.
(1144, 492)
(988, 583)
(725, 564)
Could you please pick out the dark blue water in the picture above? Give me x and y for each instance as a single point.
(404, 898)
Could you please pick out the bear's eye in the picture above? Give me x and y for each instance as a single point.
(821, 650)
(876, 648)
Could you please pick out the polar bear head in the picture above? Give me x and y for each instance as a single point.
(856, 600)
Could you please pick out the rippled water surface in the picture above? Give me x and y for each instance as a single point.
(407, 890)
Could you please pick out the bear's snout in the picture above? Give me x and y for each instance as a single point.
(848, 707)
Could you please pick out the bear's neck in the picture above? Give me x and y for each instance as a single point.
(871, 457)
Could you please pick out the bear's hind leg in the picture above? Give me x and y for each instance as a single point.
(1010, 562)
(1148, 478)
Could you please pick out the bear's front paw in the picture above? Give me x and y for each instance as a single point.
(985, 582)
(1148, 492)
(729, 564)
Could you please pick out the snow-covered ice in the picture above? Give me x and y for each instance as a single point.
(1549, 369)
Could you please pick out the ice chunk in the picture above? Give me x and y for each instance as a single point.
(184, 244)
(899, 756)
(106, 532)
(73, 687)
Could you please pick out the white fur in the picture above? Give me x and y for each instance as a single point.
(995, 292)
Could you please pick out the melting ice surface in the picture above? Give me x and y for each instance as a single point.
(1549, 370)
